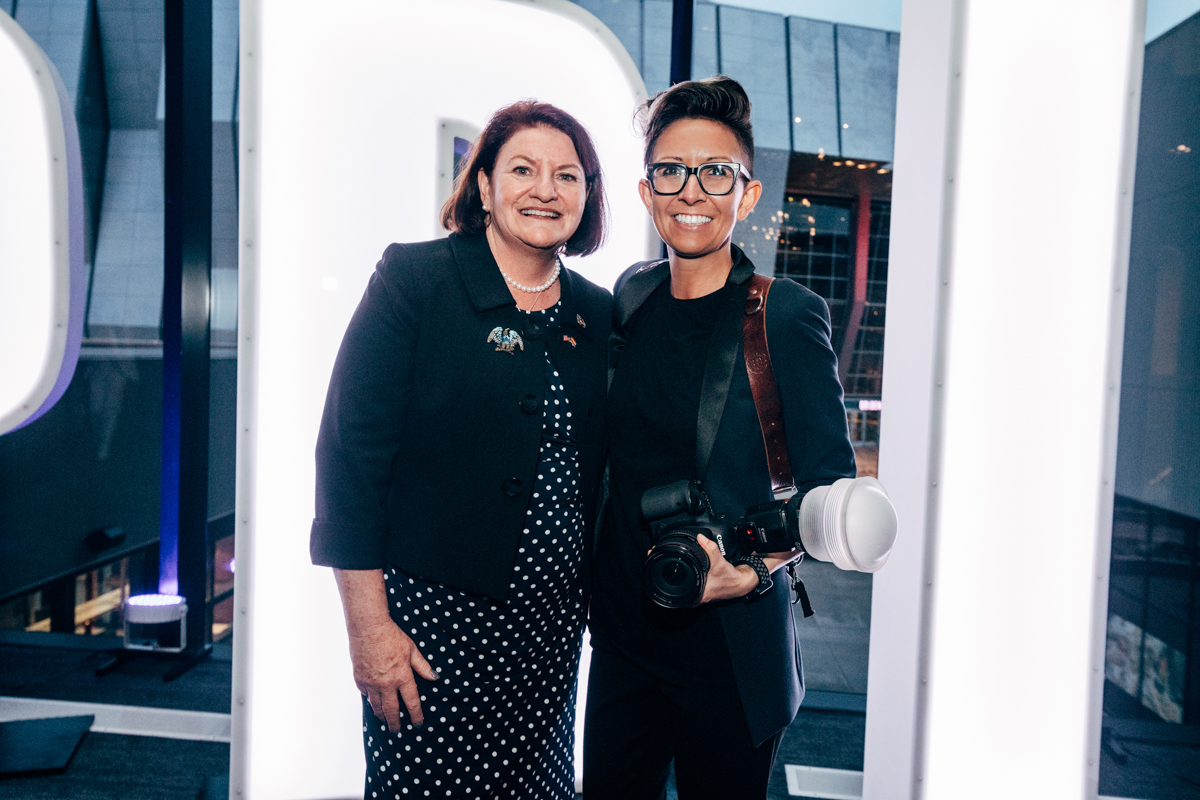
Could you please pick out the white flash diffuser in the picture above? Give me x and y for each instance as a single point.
(850, 523)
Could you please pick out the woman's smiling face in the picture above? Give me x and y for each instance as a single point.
(536, 192)
(692, 223)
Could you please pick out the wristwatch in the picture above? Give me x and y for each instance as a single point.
(760, 569)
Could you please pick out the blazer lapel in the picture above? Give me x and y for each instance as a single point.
(573, 334)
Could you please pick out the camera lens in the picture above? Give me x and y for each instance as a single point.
(676, 570)
(674, 573)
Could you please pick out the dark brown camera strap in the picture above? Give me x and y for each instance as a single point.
(762, 385)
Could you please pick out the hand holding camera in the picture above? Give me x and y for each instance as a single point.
(728, 580)
(851, 523)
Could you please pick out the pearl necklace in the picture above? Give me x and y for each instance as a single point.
(533, 289)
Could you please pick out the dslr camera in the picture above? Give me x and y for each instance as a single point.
(850, 523)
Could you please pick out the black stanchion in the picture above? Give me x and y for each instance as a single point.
(187, 264)
(681, 40)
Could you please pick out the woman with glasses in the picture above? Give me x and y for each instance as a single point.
(458, 467)
(710, 686)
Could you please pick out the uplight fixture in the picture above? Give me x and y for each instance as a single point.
(156, 622)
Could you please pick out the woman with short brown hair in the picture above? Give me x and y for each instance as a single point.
(713, 685)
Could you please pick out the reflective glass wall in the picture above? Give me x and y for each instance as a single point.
(79, 516)
(1152, 660)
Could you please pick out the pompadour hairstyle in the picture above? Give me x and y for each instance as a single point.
(718, 98)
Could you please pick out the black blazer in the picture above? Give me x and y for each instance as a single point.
(760, 634)
(432, 427)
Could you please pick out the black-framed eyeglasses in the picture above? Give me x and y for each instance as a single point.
(716, 178)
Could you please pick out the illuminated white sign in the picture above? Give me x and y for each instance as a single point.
(41, 232)
(341, 119)
(988, 628)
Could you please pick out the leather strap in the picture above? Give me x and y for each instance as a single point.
(762, 385)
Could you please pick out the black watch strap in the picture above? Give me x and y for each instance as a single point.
(760, 569)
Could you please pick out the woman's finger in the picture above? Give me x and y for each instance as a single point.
(374, 698)
(421, 666)
(711, 549)
(391, 710)
(411, 695)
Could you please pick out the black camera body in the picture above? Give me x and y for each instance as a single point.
(677, 567)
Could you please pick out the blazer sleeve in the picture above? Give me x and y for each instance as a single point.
(814, 415)
(363, 421)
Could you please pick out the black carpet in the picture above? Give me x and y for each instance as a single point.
(111, 767)
(65, 674)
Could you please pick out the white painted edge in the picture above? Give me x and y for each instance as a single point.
(927, 103)
(581, 16)
(163, 723)
(246, 449)
(53, 96)
(1112, 400)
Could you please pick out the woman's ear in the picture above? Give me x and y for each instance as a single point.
(485, 190)
(749, 199)
(647, 195)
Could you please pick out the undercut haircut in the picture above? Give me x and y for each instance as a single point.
(718, 98)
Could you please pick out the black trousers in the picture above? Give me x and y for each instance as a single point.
(636, 723)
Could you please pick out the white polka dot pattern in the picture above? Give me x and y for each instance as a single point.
(501, 721)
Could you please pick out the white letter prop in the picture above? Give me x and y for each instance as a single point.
(988, 626)
(42, 278)
(341, 120)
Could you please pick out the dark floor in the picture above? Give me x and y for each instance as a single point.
(60, 673)
(111, 767)
(834, 643)
(819, 739)
(1152, 772)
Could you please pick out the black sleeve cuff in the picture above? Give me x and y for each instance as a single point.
(343, 546)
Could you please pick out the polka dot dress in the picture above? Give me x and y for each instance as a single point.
(501, 721)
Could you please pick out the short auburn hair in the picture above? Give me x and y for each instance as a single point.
(463, 212)
(718, 98)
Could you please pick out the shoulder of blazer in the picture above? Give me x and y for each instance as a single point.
(410, 274)
(634, 286)
(790, 302)
(412, 253)
(416, 264)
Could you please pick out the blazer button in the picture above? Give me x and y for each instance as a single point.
(533, 329)
(529, 403)
(589, 411)
(512, 487)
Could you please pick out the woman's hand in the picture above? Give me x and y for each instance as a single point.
(385, 659)
(384, 656)
(725, 581)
